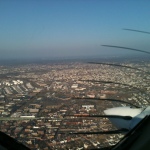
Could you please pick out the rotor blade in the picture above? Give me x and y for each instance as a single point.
(107, 82)
(136, 30)
(118, 65)
(111, 82)
(107, 99)
(101, 116)
(100, 132)
(128, 48)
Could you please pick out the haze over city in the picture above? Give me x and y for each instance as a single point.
(71, 29)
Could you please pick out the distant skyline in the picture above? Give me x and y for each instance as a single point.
(72, 28)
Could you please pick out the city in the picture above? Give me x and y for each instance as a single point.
(42, 105)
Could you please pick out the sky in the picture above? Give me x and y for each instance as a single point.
(72, 28)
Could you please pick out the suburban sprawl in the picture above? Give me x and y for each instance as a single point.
(44, 105)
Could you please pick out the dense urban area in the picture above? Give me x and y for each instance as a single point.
(43, 105)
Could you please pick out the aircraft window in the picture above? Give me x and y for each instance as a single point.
(73, 74)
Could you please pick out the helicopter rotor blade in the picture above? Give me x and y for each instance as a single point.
(111, 82)
(99, 132)
(118, 65)
(128, 48)
(136, 30)
(101, 116)
(106, 99)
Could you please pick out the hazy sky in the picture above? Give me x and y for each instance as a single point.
(66, 28)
